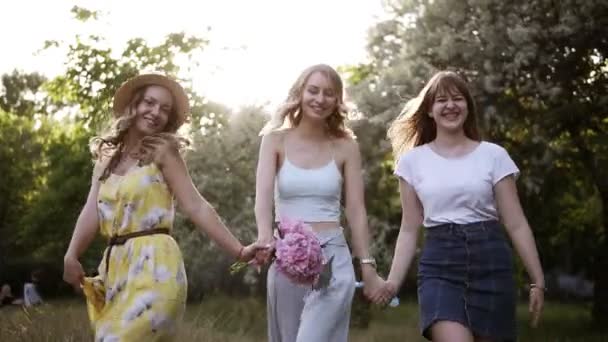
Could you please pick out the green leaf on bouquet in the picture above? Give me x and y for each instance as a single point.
(325, 276)
(237, 267)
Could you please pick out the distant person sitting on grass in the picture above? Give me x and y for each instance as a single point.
(31, 296)
(7, 298)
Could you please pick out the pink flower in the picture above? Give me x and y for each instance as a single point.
(298, 252)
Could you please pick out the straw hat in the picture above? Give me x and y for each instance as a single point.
(124, 94)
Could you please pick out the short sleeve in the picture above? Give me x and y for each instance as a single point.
(403, 169)
(503, 166)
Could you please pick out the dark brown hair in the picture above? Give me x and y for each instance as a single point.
(414, 126)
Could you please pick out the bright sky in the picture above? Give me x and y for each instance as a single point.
(257, 47)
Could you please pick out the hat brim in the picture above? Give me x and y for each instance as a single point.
(124, 94)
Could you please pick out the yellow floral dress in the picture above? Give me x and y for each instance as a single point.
(143, 295)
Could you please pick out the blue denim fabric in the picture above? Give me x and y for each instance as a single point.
(465, 275)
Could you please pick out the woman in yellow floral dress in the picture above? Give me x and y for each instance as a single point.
(140, 292)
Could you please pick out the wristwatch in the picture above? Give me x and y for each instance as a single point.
(370, 261)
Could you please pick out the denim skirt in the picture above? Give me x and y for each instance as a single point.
(465, 275)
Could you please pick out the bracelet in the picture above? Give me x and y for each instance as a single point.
(535, 286)
(369, 261)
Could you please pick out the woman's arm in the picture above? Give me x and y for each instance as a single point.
(518, 228)
(85, 230)
(356, 216)
(87, 224)
(264, 186)
(190, 201)
(405, 248)
(355, 211)
(519, 231)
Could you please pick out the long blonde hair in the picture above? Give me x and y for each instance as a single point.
(289, 113)
(110, 144)
(414, 127)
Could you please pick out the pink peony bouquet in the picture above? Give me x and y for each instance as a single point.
(298, 253)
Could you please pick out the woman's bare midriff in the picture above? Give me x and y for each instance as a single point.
(323, 226)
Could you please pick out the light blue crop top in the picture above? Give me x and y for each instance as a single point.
(309, 195)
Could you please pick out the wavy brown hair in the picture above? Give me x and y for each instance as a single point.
(289, 113)
(110, 144)
(414, 127)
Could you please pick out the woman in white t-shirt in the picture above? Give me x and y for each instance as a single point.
(458, 187)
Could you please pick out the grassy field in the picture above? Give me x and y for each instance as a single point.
(243, 320)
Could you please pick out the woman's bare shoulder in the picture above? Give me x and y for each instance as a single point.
(347, 146)
(275, 138)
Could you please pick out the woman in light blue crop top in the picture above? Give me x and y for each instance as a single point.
(306, 157)
(458, 187)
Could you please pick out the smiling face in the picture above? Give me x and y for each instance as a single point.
(449, 109)
(319, 97)
(154, 110)
(445, 105)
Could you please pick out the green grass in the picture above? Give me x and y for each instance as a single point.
(243, 320)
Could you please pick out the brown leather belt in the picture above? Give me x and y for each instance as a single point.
(122, 239)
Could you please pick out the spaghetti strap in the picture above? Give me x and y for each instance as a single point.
(332, 150)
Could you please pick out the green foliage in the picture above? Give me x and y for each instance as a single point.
(222, 166)
(18, 184)
(538, 72)
(83, 14)
(19, 93)
(45, 179)
(65, 180)
(45, 126)
(94, 71)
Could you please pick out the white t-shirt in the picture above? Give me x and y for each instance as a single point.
(456, 190)
(31, 296)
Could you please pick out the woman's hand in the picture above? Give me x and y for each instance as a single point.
(264, 256)
(153, 148)
(537, 300)
(373, 285)
(387, 292)
(73, 273)
(250, 251)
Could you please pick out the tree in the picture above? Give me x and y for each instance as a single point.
(45, 126)
(222, 165)
(539, 72)
(94, 71)
(19, 147)
(19, 93)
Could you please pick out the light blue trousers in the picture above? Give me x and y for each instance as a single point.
(301, 314)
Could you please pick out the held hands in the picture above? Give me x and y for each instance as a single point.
(264, 256)
(388, 292)
(376, 289)
(249, 252)
(248, 256)
(73, 273)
